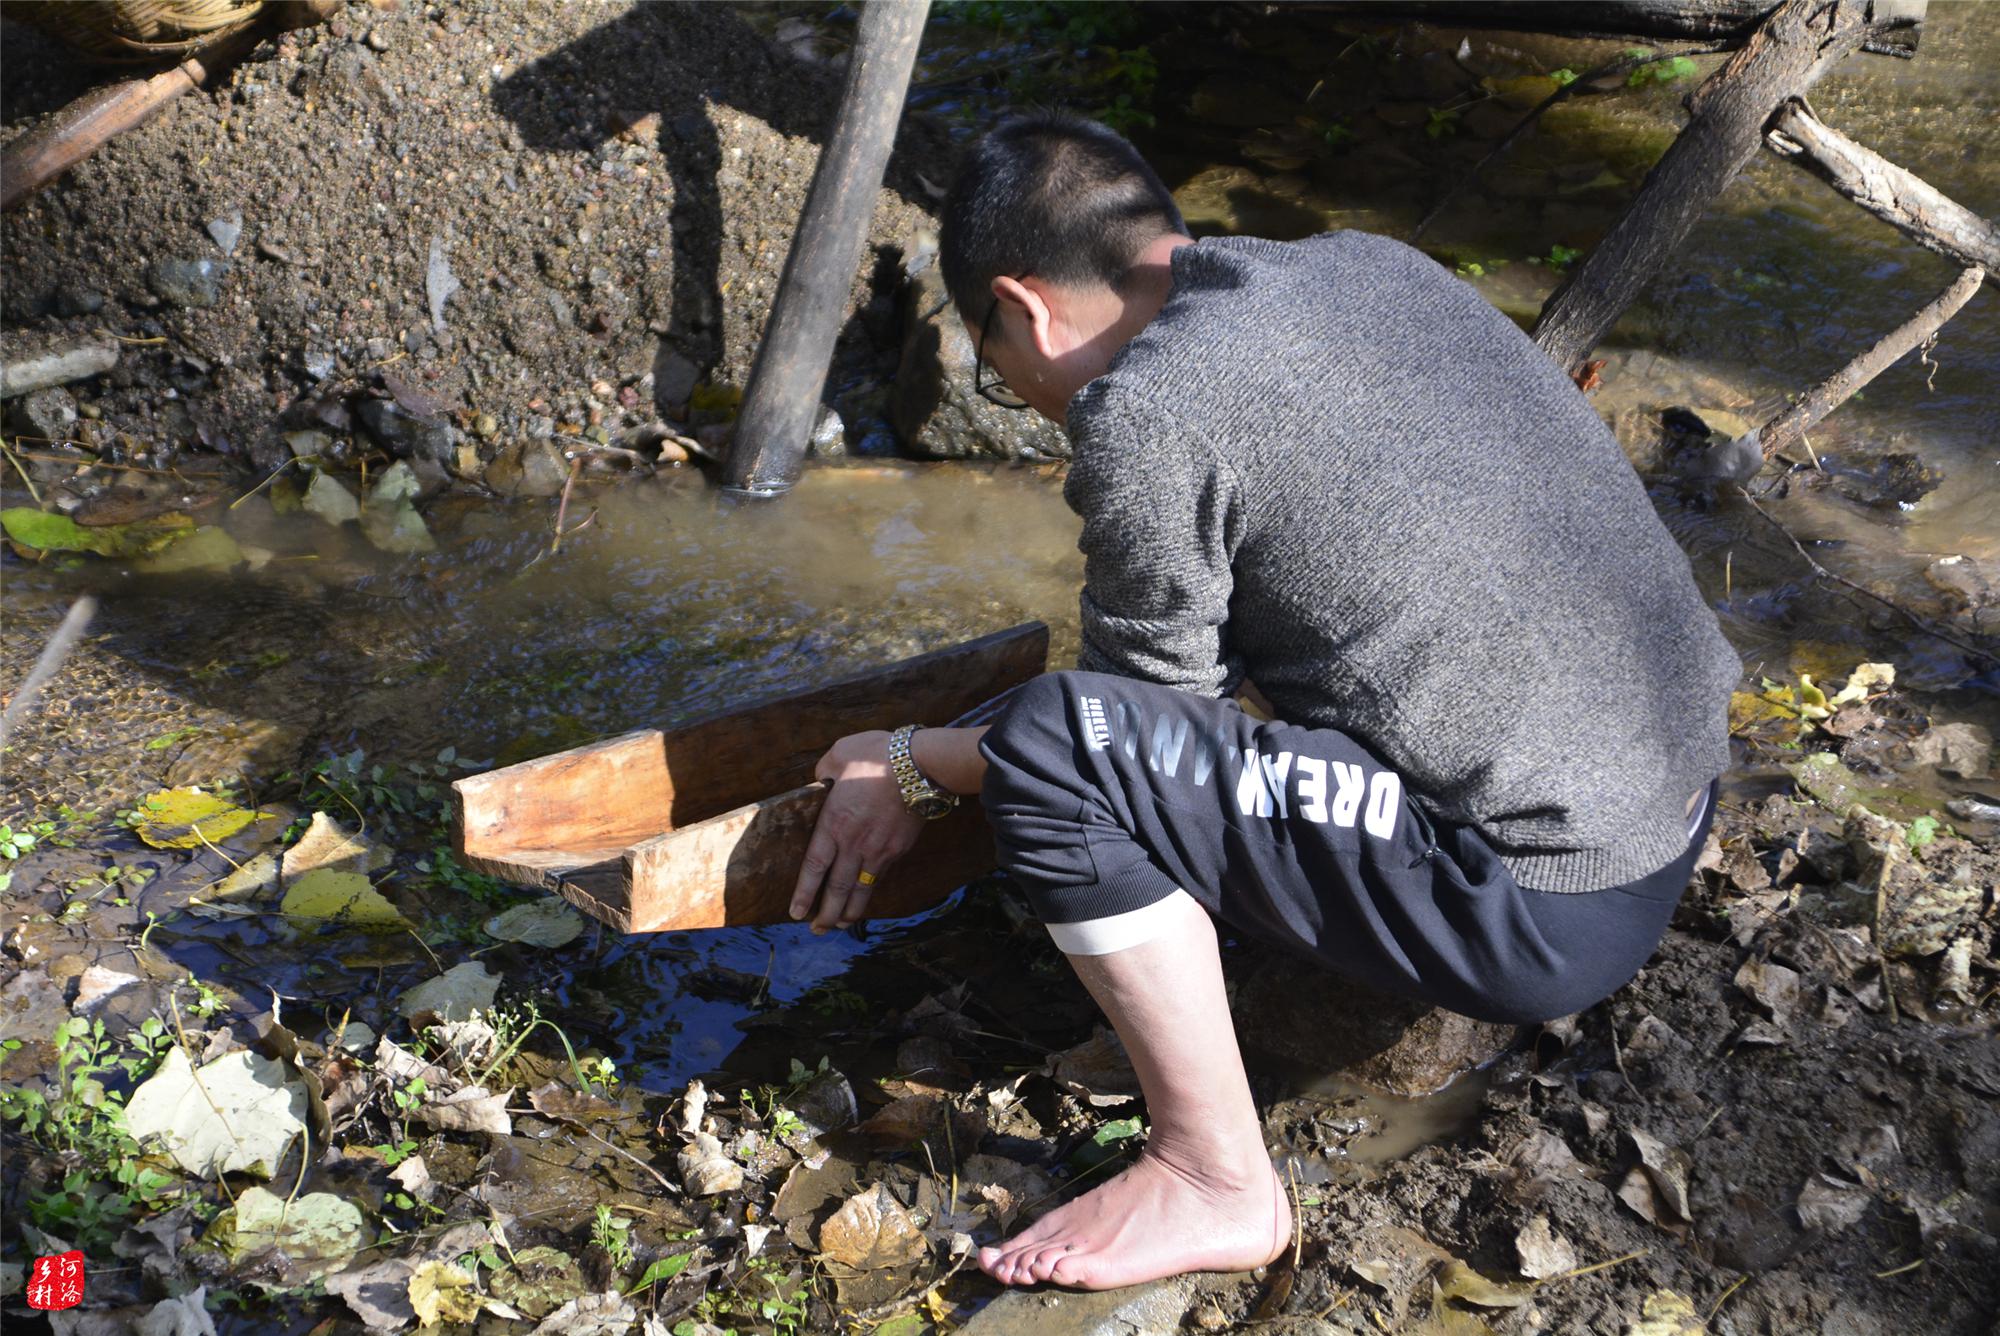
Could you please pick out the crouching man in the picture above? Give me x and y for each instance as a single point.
(1328, 472)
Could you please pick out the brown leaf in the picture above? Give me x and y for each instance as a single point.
(1667, 1169)
(1543, 1252)
(871, 1231)
(1097, 1071)
(470, 1110)
(1772, 987)
(1829, 1205)
(1457, 1281)
(556, 1100)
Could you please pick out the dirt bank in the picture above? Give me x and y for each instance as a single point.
(611, 187)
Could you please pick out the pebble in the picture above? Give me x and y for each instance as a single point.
(187, 282)
(378, 39)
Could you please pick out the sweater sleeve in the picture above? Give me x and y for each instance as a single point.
(1160, 515)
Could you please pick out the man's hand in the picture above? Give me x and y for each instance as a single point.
(863, 827)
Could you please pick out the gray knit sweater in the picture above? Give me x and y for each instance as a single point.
(1330, 465)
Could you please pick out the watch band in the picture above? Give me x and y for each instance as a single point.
(921, 796)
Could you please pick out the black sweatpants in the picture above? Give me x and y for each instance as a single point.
(1109, 795)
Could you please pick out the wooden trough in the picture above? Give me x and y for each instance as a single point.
(706, 825)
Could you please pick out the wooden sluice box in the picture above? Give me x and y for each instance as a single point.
(706, 825)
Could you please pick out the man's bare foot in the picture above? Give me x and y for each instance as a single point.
(1155, 1219)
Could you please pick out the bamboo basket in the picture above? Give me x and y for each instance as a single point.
(136, 31)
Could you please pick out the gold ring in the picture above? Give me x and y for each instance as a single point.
(865, 878)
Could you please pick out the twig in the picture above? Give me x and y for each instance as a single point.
(1918, 332)
(562, 507)
(658, 1177)
(268, 479)
(1597, 1266)
(1919, 623)
(1618, 65)
(1741, 1281)
(14, 459)
(1899, 1270)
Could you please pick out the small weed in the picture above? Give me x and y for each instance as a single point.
(1443, 121)
(110, 1179)
(1659, 71)
(1563, 77)
(613, 1233)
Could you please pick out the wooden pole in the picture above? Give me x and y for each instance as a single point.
(769, 444)
(1898, 197)
(1800, 40)
(1789, 428)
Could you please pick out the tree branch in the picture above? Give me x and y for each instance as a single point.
(1898, 197)
(1789, 427)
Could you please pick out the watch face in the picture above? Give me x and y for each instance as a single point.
(931, 807)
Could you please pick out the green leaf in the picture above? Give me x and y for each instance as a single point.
(666, 1268)
(44, 531)
(1922, 831)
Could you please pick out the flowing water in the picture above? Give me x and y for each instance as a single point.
(673, 603)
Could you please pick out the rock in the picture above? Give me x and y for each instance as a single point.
(674, 379)
(829, 438)
(227, 231)
(1964, 750)
(1156, 1307)
(397, 529)
(31, 1006)
(331, 501)
(38, 370)
(528, 468)
(1291, 1010)
(933, 407)
(187, 282)
(78, 301)
(440, 285)
(1962, 582)
(45, 415)
(308, 444)
(407, 435)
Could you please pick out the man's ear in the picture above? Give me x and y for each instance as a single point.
(1030, 301)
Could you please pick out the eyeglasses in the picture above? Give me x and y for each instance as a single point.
(993, 391)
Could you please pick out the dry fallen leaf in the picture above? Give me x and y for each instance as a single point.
(1543, 1252)
(1829, 1205)
(706, 1170)
(472, 1109)
(871, 1230)
(1667, 1314)
(1097, 1071)
(1457, 1281)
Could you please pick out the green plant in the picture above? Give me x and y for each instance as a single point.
(613, 1233)
(1559, 257)
(394, 1153)
(108, 1176)
(1563, 77)
(207, 1002)
(14, 843)
(1659, 71)
(1443, 121)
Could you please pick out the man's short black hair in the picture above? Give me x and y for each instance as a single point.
(1053, 195)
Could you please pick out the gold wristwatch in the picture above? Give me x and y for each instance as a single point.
(921, 796)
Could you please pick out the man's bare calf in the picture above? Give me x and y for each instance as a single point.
(1202, 1196)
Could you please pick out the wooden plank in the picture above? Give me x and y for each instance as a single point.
(582, 806)
(740, 867)
(734, 759)
(659, 830)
